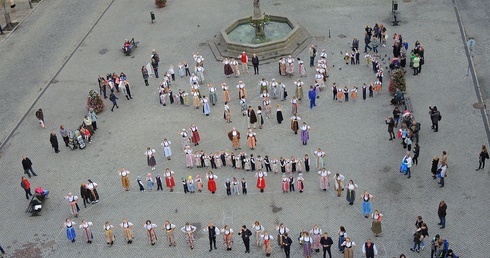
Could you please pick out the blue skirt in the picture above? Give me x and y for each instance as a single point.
(70, 233)
(366, 208)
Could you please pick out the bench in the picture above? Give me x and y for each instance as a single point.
(36, 204)
(408, 104)
(133, 44)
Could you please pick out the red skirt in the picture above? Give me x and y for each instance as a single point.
(261, 183)
(212, 185)
(195, 137)
(169, 181)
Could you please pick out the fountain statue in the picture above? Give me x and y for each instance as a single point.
(257, 12)
(258, 21)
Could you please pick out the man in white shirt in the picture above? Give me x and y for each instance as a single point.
(369, 249)
(407, 160)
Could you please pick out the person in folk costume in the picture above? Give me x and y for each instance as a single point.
(243, 183)
(378, 86)
(307, 244)
(252, 139)
(124, 174)
(227, 237)
(316, 233)
(279, 116)
(364, 91)
(226, 92)
(282, 66)
(376, 223)
(227, 185)
(282, 163)
(300, 183)
(274, 88)
(243, 106)
(259, 163)
(140, 184)
(189, 157)
(238, 162)
(334, 91)
(301, 68)
(340, 95)
(235, 67)
(217, 160)
(289, 66)
(264, 96)
(167, 151)
(260, 175)
(190, 185)
(181, 70)
(320, 84)
(288, 166)
(169, 230)
(72, 201)
(252, 117)
(292, 181)
(268, 108)
(149, 182)
(339, 183)
(366, 204)
(158, 180)
(281, 230)
(266, 240)
(353, 93)
(84, 194)
(222, 156)
(351, 192)
(294, 105)
(150, 157)
(299, 89)
(200, 74)
(199, 183)
(70, 231)
(306, 161)
(246, 162)
(244, 60)
(87, 231)
(195, 135)
(211, 181)
(213, 99)
(109, 234)
(227, 68)
(188, 231)
(230, 160)
(324, 177)
(258, 229)
(379, 75)
(162, 96)
(207, 161)
(197, 159)
(320, 155)
(349, 248)
(242, 93)
(169, 179)
(299, 165)
(184, 136)
(252, 162)
(371, 89)
(150, 232)
(346, 93)
(305, 133)
(342, 235)
(235, 186)
(205, 106)
(195, 100)
(264, 86)
(275, 165)
(260, 117)
(285, 183)
(294, 123)
(92, 190)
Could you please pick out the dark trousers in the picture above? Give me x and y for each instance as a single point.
(415, 70)
(55, 147)
(211, 242)
(366, 46)
(482, 164)
(246, 242)
(146, 82)
(114, 104)
(312, 61)
(287, 250)
(334, 95)
(325, 251)
(436, 127)
(256, 69)
(268, 167)
(155, 70)
(28, 193)
(66, 140)
(441, 181)
(307, 167)
(291, 187)
(346, 97)
(244, 191)
(187, 72)
(29, 171)
(159, 187)
(94, 125)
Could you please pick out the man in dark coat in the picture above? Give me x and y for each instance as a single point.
(54, 142)
(435, 117)
(27, 165)
(255, 63)
(252, 118)
(245, 233)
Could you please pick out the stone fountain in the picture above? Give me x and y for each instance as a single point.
(268, 36)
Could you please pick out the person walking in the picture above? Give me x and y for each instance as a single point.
(113, 99)
(245, 233)
(24, 183)
(435, 117)
(482, 157)
(40, 117)
(145, 74)
(64, 134)
(54, 142)
(369, 249)
(27, 165)
(255, 63)
(441, 212)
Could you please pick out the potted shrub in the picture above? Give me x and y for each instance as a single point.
(160, 3)
(95, 101)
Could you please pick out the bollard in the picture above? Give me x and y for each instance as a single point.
(152, 16)
(1, 30)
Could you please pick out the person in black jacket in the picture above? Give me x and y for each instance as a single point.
(54, 142)
(483, 156)
(84, 194)
(286, 242)
(245, 233)
(326, 243)
(213, 232)
(27, 165)
(255, 63)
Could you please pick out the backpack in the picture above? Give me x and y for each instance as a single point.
(445, 245)
(440, 117)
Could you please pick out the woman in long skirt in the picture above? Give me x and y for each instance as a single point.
(150, 232)
(70, 231)
(149, 182)
(251, 138)
(127, 230)
(275, 165)
(87, 231)
(307, 244)
(285, 184)
(205, 106)
(294, 105)
(169, 179)
(349, 248)
(300, 180)
(199, 183)
(376, 223)
(227, 237)
(150, 157)
(289, 66)
(260, 117)
(301, 68)
(305, 133)
(226, 92)
(324, 177)
(235, 67)
(282, 66)
(316, 233)
(167, 151)
(211, 182)
(190, 185)
(189, 158)
(109, 234)
(366, 203)
(213, 99)
(268, 108)
(351, 192)
(319, 154)
(266, 238)
(279, 114)
(299, 89)
(195, 135)
(342, 235)
(227, 68)
(188, 231)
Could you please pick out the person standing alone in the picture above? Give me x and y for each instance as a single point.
(27, 165)
(40, 117)
(54, 142)
(441, 212)
(24, 183)
(435, 117)
(255, 63)
(483, 156)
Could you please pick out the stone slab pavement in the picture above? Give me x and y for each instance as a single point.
(353, 135)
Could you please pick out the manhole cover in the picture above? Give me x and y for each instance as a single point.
(341, 36)
(202, 44)
(479, 105)
(276, 4)
(54, 81)
(103, 51)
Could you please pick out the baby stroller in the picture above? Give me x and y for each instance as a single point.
(79, 139)
(72, 143)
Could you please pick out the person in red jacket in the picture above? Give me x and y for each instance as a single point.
(244, 59)
(24, 183)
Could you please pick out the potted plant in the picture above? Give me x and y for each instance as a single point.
(95, 101)
(160, 3)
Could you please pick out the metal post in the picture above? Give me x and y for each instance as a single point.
(469, 64)
(152, 16)
(329, 32)
(30, 4)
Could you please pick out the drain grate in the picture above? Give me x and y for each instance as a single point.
(341, 36)
(202, 44)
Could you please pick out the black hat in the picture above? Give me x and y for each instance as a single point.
(90, 181)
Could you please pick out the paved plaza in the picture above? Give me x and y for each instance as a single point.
(353, 134)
